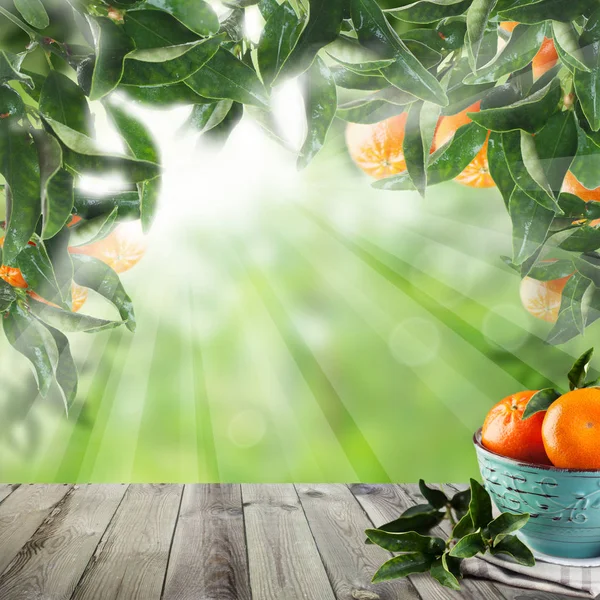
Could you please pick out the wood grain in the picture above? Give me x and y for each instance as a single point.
(131, 560)
(208, 559)
(6, 489)
(53, 560)
(22, 512)
(284, 560)
(338, 523)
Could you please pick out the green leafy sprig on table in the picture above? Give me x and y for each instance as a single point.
(64, 61)
(474, 531)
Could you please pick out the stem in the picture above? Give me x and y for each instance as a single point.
(450, 516)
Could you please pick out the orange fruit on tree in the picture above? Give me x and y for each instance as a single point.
(571, 430)
(377, 148)
(546, 56)
(477, 172)
(79, 295)
(572, 185)
(505, 433)
(121, 249)
(12, 275)
(542, 298)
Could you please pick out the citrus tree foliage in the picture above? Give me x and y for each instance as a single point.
(355, 59)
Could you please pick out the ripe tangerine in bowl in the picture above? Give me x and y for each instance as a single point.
(564, 504)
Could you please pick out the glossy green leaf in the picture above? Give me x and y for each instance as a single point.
(56, 185)
(514, 547)
(498, 166)
(583, 239)
(591, 30)
(150, 73)
(443, 575)
(544, 10)
(368, 111)
(403, 565)
(19, 167)
(571, 321)
(58, 252)
(66, 370)
(429, 11)
(480, 506)
(531, 224)
(29, 337)
(371, 67)
(138, 139)
(549, 270)
(217, 136)
(83, 155)
(149, 195)
(434, 496)
(11, 104)
(529, 114)
(460, 502)
(112, 45)
(586, 165)
(505, 524)
(277, 41)
(70, 322)
(415, 153)
(33, 12)
(323, 26)
(10, 69)
(478, 15)
(579, 370)
(89, 206)
(351, 80)
(320, 104)
(587, 87)
(464, 526)
(469, 546)
(540, 402)
(96, 275)
(165, 96)
(225, 76)
(88, 231)
(206, 116)
(7, 293)
(523, 45)
(566, 42)
(156, 29)
(420, 522)
(63, 100)
(446, 163)
(196, 15)
(406, 542)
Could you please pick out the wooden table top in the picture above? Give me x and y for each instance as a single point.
(208, 542)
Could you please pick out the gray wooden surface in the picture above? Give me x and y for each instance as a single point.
(208, 542)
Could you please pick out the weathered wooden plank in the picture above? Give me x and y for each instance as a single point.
(6, 489)
(385, 502)
(283, 558)
(131, 560)
(337, 523)
(52, 561)
(208, 558)
(22, 513)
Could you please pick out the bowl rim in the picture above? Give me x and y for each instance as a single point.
(522, 463)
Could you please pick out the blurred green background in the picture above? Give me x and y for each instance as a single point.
(292, 327)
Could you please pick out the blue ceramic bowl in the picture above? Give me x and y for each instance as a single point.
(564, 504)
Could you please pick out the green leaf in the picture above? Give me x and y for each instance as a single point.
(505, 524)
(403, 565)
(514, 547)
(566, 42)
(415, 152)
(429, 11)
(529, 114)
(498, 166)
(478, 16)
(460, 502)
(277, 41)
(320, 104)
(66, 370)
(351, 80)
(33, 12)
(60, 257)
(98, 276)
(324, 23)
(70, 322)
(544, 10)
(586, 165)
(165, 96)
(206, 116)
(420, 522)
(29, 337)
(434, 497)
(218, 135)
(591, 30)
(149, 194)
(82, 154)
(523, 45)
(10, 69)
(19, 167)
(480, 506)
(406, 542)
(38, 271)
(571, 320)
(224, 76)
(88, 231)
(156, 29)
(368, 111)
(587, 87)
(540, 402)
(469, 546)
(549, 270)
(112, 45)
(139, 141)
(441, 574)
(11, 103)
(464, 526)
(579, 370)
(196, 15)
(446, 163)
(163, 69)
(7, 294)
(89, 206)
(56, 185)
(531, 223)
(583, 239)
